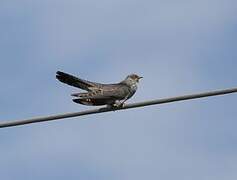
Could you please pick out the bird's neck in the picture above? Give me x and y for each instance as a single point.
(129, 82)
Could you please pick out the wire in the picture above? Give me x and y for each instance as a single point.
(128, 106)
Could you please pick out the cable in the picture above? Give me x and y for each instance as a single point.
(128, 106)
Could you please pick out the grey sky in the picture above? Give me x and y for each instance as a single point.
(179, 47)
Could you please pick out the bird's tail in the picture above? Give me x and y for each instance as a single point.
(82, 95)
(83, 98)
(73, 81)
(87, 102)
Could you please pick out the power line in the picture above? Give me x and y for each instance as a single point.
(128, 106)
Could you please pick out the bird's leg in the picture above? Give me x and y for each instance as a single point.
(110, 106)
(123, 101)
(117, 104)
(120, 104)
(113, 107)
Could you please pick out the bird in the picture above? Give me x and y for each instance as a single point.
(98, 94)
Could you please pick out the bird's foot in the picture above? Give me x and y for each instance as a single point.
(118, 104)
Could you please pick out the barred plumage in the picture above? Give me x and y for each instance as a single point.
(101, 94)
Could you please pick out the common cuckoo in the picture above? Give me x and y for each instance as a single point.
(97, 94)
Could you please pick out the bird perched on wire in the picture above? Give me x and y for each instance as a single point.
(97, 94)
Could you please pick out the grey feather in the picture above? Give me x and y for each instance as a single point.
(100, 94)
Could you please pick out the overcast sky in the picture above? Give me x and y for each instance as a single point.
(179, 47)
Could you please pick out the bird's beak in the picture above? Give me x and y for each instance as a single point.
(140, 77)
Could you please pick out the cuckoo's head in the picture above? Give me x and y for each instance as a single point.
(134, 77)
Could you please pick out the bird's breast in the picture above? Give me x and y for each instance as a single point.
(134, 87)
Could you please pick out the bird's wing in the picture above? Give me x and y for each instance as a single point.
(111, 91)
(77, 82)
